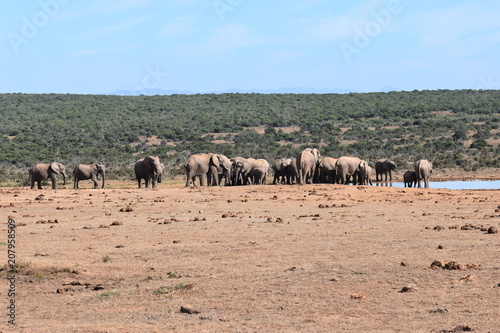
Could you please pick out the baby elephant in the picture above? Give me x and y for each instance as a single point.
(410, 178)
(89, 171)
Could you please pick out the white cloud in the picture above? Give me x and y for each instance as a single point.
(104, 7)
(222, 41)
(462, 30)
(178, 26)
(111, 29)
(331, 28)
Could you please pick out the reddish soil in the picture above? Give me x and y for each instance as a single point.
(270, 258)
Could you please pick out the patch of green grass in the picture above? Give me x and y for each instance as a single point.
(162, 291)
(183, 286)
(106, 258)
(64, 270)
(109, 294)
(173, 275)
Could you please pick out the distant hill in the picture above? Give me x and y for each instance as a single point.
(291, 90)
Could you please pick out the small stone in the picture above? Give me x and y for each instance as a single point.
(358, 296)
(440, 247)
(188, 309)
(493, 230)
(468, 279)
(437, 264)
(411, 287)
(60, 291)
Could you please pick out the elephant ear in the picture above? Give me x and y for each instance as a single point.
(316, 153)
(214, 159)
(56, 167)
(149, 161)
(226, 163)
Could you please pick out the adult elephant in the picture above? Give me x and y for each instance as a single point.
(244, 168)
(347, 167)
(207, 166)
(326, 170)
(40, 172)
(384, 167)
(282, 169)
(220, 168)
(239, 165)
(365, 173)
(89, 171)
(423, 170)
(150, 169)
(259, 172)
(410, 179)
(307, 161)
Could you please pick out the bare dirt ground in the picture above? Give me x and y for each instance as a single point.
(270, 258)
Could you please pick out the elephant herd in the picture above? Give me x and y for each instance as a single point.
(40, 172)
(306, 168)
(148, 168)
(211, 169)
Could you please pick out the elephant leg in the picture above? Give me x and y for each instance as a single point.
(75, 184)
(54, 181)
(94, 179)
(390, 175)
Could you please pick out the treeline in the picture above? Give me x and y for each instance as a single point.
(453, 128)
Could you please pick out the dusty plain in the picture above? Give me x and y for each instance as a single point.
(269, 258)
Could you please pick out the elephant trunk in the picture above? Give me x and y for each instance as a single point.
(64, 178)
(102, 180)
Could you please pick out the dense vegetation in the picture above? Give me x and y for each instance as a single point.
(453, 128)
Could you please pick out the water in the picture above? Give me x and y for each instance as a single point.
(455, 185)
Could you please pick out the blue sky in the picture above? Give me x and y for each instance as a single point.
(97, 47)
